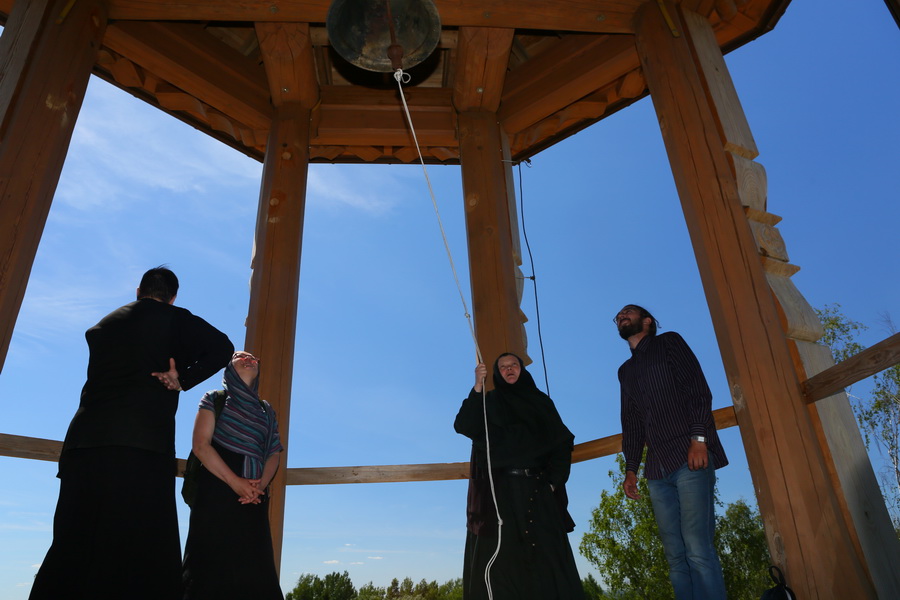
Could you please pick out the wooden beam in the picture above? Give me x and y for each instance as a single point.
(490, 230)
(186, 56)
(883, 355)
(274, 284)
(612, 16)
(481, 62)
(46, 57)
(575, 67)
(808, 536)
(352, 117)
(34, 448)
(288, 56)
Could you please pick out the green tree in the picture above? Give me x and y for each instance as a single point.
(878, 415)
(592, 589)
(335, 586)
(623, 543)
(370, 592)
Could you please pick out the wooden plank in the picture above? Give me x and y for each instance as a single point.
(881, 356)
(807, 534)
(574, 68)
(352, 117)
(186, 56)
(611, 16)
(729, 113)
(45, 64)
(288, 56)
(19, 446)
(492, 265)
(481, 62)
(275, 281)
(378, 474)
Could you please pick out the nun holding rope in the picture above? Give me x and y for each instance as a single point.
(530, 457)
(228, 554)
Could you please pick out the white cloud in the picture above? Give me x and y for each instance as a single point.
(375, 557)
(331, 562)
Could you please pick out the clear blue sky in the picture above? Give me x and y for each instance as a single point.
(384, 356)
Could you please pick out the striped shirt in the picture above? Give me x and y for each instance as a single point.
(665, 400)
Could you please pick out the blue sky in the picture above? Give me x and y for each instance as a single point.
(384, 356)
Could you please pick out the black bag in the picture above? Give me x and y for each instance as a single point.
(192, 468)
(781, 591)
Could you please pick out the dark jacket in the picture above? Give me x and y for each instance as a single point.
(122, 404)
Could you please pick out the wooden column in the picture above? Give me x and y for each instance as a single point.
(847, 461)
(492, 237)
(47, 51)
(808, 535)
(491, 224)
(274, 286)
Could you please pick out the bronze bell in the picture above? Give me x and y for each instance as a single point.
(383, 35)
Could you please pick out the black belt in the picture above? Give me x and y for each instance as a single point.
(527, 472)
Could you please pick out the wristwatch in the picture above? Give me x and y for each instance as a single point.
(699, 438)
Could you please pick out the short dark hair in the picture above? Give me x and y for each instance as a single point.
(159, 283)
(654, 324)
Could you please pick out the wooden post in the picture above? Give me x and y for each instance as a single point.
(492, 235)
(274, 286)
(808, 535)
(47, 51)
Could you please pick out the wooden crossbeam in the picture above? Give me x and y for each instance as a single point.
(18, 446)
(610, 16)
(881, 356)
(184, 55)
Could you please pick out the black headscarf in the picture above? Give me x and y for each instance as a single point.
(523, 422)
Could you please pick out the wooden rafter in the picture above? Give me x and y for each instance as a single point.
(564, 15)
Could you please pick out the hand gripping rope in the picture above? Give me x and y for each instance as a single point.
(402, 78)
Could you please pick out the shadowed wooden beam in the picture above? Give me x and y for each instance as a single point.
(612, 16)
(288, 56)
(47, 51)
(881, 356)
(481, 62)
(186, 56)
(556, 78)
(353, 117)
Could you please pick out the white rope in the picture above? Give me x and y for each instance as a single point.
(402, 78)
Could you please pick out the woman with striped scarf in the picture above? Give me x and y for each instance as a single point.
(228, 554)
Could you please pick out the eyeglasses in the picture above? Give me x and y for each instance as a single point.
(623, 312)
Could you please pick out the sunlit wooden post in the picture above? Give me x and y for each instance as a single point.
(808, 535)
(489, 193)
(47, 51)
(272, 322)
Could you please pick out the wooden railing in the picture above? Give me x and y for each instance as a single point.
(830, 381)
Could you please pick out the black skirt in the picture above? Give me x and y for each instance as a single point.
(228, 554)
(115, 531)
(535, 560)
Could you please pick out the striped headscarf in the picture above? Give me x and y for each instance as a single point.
(247, 424)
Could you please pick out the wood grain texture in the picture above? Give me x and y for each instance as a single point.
(290, 67)
(481, 62)
(44, 70)
(492, 264)
(807, 534)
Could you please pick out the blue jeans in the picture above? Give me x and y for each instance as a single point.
(683, 506)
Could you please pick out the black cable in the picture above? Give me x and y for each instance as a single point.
(537, 310)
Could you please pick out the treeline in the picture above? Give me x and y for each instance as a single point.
(338, 586)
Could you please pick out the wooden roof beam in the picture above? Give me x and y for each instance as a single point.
(288, 56)
(608, 16)
(482, 60)
(352, 117)
(187, 57)
(574, 68)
